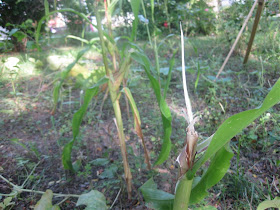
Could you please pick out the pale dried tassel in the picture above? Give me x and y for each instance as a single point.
(186, 157)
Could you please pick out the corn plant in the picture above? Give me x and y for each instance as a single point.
(191, 189)
(117, 69)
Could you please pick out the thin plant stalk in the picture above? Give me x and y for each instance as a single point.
(186, 157)
(153, 45)
(147, 26)
(116, 106)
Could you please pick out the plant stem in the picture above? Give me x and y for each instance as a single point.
(182, 194)
(114, 93)
(119, 124)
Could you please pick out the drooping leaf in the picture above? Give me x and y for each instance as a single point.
(215, 172)
(154, 198)
(137, 123)
(269, 204)
(76, 122)
(45, 203)
(164, 109)
(234, 124)
(133, 106)
(94, 200)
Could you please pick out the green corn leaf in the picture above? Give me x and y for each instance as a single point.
(135, 5)
(216, 171)
(76, 123)
(269, 204)
(64, 75)
(154, 198)
(94, 200)
(164, 109)
(234, 124)
(45, 203)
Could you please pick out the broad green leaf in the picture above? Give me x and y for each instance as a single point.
(269, 204)
(94, 200)
(167, 130)
(109, 172)
(154, 198)
(100, 162)
(164, 109)
(14, 30)
(45, 203)
(76, 122)
(135, 5)
(234, 124)
(19, 35)
(215, 172)
(64, 75)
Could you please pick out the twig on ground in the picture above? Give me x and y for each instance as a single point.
(116, 198)
(18, 189)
